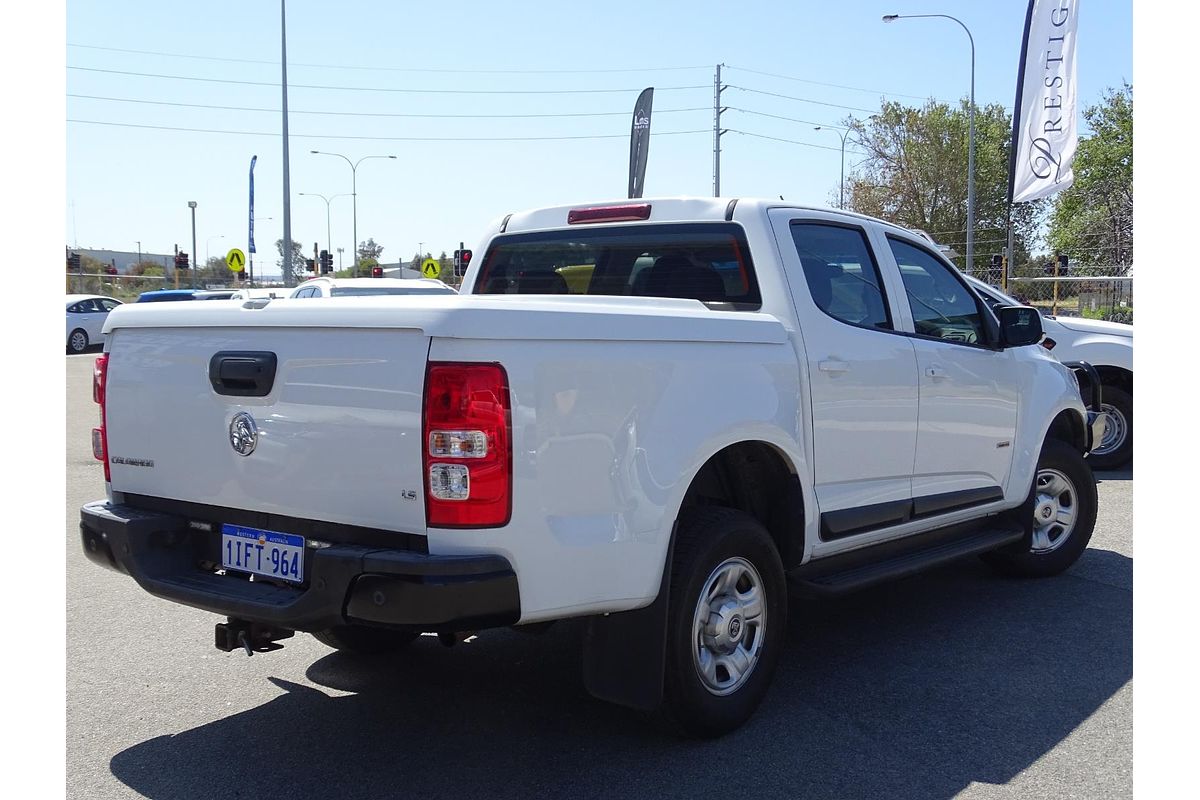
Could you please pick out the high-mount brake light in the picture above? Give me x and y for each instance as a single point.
(100, 395)
(468, 453)
(626, 213)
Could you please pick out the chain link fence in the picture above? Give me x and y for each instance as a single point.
(1105, 294)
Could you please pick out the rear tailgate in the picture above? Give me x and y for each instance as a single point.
(338, 434)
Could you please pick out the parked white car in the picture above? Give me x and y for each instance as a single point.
(260, 294)
(347, 287)
(1107, 346)
(85, 320)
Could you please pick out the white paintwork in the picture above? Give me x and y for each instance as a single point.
(617, 404)
(91, 322)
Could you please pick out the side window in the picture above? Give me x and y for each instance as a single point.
(941, 305)
(108, 305)
(841, 273)
(75, 309)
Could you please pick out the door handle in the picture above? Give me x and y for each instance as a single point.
(833, 365)
(935, 372)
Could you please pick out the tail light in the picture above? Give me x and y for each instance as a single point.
(99, 394)
(467, 441)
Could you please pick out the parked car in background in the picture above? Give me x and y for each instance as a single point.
(214, 294)
(347, 287)
(85, 320)
(260, 294)
(1107, 346)
(167, 295)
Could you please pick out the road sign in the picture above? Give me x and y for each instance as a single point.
(235, 259)
(431, 268)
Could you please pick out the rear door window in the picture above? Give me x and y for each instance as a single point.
(709, 262)
(841, 273)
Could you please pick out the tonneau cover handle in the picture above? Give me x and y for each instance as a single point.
(241, 373)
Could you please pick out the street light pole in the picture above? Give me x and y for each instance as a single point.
(971, 134)
(192, 206)
(328, 200)
(842, 183)
(354, 191)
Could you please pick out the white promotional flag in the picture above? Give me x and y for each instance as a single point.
(1044, 130)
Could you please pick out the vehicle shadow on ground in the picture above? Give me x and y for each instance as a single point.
(914, 690)
(1123, 474)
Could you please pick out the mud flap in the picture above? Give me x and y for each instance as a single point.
(625, 654)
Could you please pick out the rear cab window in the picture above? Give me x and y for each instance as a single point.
(709, 262)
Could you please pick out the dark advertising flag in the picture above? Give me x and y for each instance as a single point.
(639, 142)
(253, 159)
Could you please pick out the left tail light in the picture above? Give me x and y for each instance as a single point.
(467, 443)
(99, 394)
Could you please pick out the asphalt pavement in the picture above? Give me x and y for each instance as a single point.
(955, 683)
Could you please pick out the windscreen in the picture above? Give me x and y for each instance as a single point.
(348, 291)
(709, 262)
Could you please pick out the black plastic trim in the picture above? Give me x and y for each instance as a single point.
(863, 519)
(242, 373)
(171, 559)
(729, 210)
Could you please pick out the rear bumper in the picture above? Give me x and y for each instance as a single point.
(345, 583)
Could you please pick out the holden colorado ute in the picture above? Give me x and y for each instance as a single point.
(655, 416)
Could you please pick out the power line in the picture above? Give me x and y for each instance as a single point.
(275, 84)
(833, 85)
(802, 99)
(386, 138)
(391, 69)
(788, 119)
(788, 141)
(381, 114)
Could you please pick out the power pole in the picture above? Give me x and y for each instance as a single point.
(718, 87)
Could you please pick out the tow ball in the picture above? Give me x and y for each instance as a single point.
(250, 636)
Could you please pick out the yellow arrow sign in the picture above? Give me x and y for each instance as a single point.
(431, 268)
(235, 259)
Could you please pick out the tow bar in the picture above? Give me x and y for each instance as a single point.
(250, 636)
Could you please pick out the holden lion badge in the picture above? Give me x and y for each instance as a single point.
(243, 433)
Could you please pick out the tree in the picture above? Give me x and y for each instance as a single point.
(915, 174)
(299, 264)
(1092, 221)
(368, 256)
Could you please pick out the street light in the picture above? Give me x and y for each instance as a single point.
(971, 134)
(842, 183)
(328, 239)
(192, 206)
(353, 190)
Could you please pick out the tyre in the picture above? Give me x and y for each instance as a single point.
(364, 641)
(1064, 514)
(77, 342)
(726, 618)
(1116, 447)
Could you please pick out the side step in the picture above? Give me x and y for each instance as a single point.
(862, 574)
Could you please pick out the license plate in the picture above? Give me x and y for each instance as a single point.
(268, 553)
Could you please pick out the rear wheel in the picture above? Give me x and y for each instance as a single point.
(726, 620)
(361, 640)
(1115, 447)
(77, 342)
(1064, 514)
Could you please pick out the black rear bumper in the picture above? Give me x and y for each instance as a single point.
(344, 583)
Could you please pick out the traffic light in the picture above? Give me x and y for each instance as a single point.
(376, 272)
(326, 262)
(457, 263)
(311, 264)
(181, 260)
(1063, 262)
(464, 261)
(997, 261)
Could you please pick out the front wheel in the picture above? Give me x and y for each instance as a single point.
(1064, 514)
(726, 620)
(364, 641)
(1115, 447)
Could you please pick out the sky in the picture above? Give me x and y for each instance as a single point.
(167, 103)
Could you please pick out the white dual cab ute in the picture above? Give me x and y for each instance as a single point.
(652, 415)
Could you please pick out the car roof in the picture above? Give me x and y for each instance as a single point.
(167, 294)
(410, 282)
(75, 298)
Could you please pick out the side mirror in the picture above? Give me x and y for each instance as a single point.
(1019, 326)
